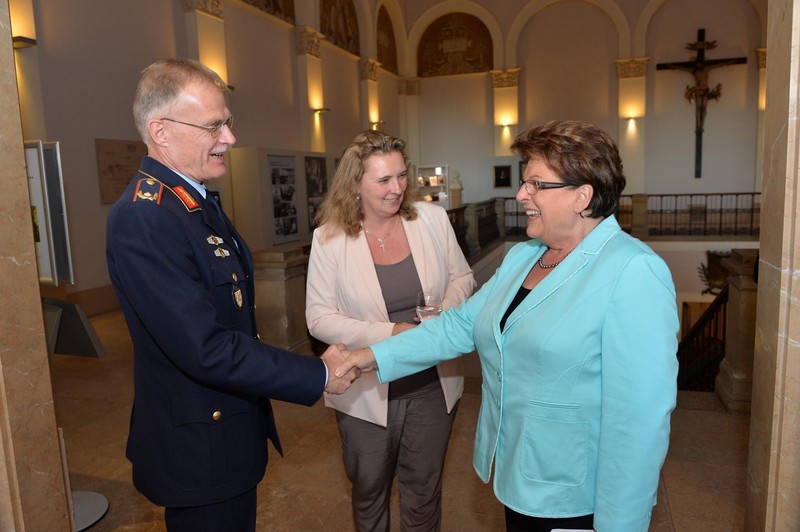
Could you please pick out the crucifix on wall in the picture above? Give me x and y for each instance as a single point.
(699, 67)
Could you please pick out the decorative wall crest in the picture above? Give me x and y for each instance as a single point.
(634, 67)
(283, 9)
(505, 78)
(456, 43)
(762, 57)
(368, 69)
(212, 7)
(387, 47)
(408, 86)
(306, 41)
(339, 23)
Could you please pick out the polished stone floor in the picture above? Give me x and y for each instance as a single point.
(702, 483)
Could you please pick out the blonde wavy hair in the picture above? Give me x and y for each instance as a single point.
(341, 209)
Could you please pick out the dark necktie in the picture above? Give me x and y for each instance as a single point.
(217, 208)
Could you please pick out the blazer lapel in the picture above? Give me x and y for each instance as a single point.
(571, 266)
(361, 259)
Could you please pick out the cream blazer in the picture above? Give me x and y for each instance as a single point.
(344, 302)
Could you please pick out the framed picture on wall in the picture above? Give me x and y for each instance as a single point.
(502, 176)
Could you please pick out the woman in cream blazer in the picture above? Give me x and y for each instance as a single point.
(377, 248)
(344, 303)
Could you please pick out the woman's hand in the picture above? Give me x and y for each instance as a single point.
(400, 327)
(362, 359)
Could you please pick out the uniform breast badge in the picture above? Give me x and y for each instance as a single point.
(237, 297)
(214, 240)
(236, 292)
(222, 253)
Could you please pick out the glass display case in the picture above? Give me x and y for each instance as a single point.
(432, 181)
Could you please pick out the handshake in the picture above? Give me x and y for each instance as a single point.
(345, 366)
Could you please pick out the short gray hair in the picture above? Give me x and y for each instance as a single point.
(162, 83)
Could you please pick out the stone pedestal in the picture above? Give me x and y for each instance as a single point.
(500, 210)
(734, 384)
(455, 189)
(471, 216)
(640, 227)
(455, 198)
(280, 280)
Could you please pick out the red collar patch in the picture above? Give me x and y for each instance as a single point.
(185, 197)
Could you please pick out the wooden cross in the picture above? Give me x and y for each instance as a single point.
(699, 67)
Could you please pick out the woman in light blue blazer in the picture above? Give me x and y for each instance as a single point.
(577, 337)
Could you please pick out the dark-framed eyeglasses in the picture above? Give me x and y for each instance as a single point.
(215, 130)
(536, 186)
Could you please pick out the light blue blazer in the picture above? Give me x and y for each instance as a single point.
(578, 389)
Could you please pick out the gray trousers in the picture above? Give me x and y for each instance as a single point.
(414, 445)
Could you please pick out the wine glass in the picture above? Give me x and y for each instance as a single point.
(429, 304)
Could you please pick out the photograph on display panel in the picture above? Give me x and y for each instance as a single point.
(284, 198)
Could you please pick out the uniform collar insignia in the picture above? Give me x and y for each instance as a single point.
(185, 197)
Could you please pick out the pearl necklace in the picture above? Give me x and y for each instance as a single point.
(381, 240)
(549, 266)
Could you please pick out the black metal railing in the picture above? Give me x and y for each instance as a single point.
(719, 214)
(515, 218)
(459, 222)
(488, 231)
(702, 349)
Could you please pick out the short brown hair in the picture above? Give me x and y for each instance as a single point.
(580, 154)
(162, 83)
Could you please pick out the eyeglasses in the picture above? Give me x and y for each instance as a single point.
(215, 130)
(536, 186)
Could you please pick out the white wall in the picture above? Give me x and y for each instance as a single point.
(456, 128)
(729, 140)
(90, 54)
(567, 54)
(261, 67)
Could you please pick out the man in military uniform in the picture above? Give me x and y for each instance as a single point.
(184, 279)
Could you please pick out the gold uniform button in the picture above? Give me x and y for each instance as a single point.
(217, 415)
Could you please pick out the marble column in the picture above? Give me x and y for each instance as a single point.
(309, 88)
(631, 108)
(505, 95)
(32, 490)
(773, 468)
(408, 99)
(734, 384)
(368, 95)
(280, 279)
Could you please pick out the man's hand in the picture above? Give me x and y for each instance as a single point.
(333, 357)
(358, 359)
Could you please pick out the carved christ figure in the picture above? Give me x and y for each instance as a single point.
(699, 68)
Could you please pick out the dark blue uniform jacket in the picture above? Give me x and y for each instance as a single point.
(202, 380)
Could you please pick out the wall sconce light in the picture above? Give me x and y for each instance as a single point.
(374, 125)
(320, 110)
(23, 25)
(22, 42)
(632, 125)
